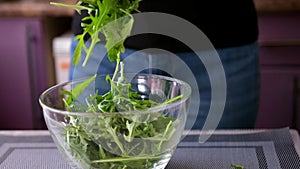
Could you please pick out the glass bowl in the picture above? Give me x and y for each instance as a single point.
(100, 131)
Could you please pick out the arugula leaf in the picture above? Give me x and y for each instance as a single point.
(235, 166)
(77, 90)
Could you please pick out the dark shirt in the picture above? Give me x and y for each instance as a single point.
(226, 23)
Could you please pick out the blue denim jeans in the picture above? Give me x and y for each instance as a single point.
(240, 64)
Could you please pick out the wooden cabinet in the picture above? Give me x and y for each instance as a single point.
(280, 70)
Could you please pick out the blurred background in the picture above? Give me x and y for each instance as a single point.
(34, 55)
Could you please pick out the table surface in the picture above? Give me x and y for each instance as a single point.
(227, 144)
(294, 134)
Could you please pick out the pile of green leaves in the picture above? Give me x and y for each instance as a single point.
(111, 139)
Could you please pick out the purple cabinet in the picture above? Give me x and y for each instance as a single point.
(280, 70)
(22, 73)
(278, 97)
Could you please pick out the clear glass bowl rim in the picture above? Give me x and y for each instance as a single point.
(154, 109)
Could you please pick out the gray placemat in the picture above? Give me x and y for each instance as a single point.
(266, 150)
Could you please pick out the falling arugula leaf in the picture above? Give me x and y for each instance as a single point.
(109, 17)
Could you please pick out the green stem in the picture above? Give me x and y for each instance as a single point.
(164, 135)
(173, 99)
(117, 67)
(126, 159)
(116, 139)
(98, 27)
(78, 8)
(90, 50)
(122, 77)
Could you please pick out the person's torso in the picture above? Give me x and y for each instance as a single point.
(226, 23)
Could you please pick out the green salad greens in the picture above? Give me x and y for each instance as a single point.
(235, 166)
(112, 18)
(109, 139)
